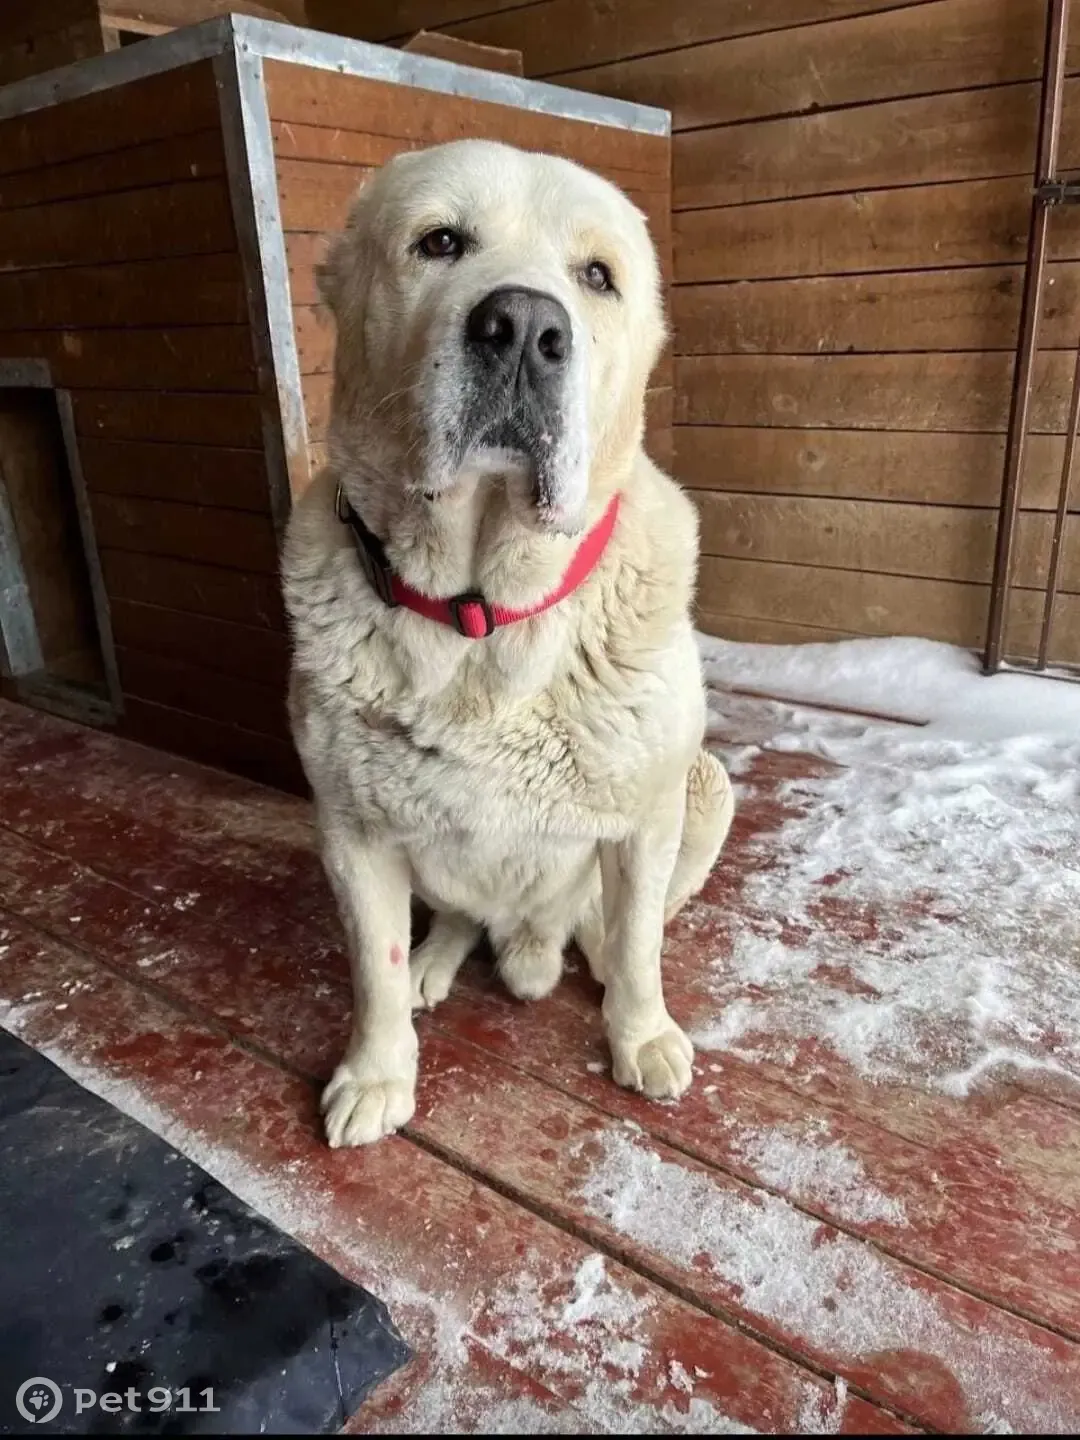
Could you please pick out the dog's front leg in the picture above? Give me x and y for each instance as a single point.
(373, 1090)
(649, 1052)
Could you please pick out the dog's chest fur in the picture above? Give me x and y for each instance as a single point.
(552, 733)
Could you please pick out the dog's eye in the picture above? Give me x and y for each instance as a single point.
(597, 276)
(442, 244)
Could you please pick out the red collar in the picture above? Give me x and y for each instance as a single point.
(469, 613)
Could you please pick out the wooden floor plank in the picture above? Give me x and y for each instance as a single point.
(514, 1320)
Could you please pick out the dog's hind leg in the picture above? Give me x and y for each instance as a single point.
(710, 806)
(434, 964)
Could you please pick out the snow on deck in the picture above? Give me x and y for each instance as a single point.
(863, 1217)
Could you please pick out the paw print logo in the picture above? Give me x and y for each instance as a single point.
(38, 1400)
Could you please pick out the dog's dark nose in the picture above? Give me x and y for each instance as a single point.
(516, 327)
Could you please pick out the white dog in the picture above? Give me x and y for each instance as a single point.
(496, 692)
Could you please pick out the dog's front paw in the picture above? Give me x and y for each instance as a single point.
(659, 1067)
(365, 1101)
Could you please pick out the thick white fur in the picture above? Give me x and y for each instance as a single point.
(546, 783)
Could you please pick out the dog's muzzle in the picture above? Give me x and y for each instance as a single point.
(518, 346)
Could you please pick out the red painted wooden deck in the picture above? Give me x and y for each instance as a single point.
(561, 1254)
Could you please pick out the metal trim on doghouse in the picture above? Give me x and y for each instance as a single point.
(252, 175)
(36, 375)
(297, 45)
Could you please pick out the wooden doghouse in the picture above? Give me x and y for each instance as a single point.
(164, 374)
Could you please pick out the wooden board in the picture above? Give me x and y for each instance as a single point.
(560, 35)
(157, 162)
(315, 195)
(875, 392)
(354, 147)
(780, 599)
(178, 418)
(193, 474)
(196, 689)
(211, 590)
(940, 542)
(991, 132)
(971, 222)
(181, 101)
(765, 632)
(304, 96)
(916, 466)
(206, 534)
(314, 339)
(338, 146)
(969, 309)
(947, 45)
(195, 290)
(57, 34)
(317, 391)
(464, 52)
(215, 358)
(304, 252)
(187, 218)
(263, 758)
(27, 19)
(249, 652)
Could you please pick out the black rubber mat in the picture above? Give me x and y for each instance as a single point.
(126, 1270)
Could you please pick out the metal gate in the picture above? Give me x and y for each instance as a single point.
(1049, 193)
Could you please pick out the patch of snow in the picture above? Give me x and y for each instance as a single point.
(839, 1295)
(924, 681)
(919, 910)
(586, 1346)
(808, 1166)
(680, 1377)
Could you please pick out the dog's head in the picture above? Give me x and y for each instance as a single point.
(498, 313)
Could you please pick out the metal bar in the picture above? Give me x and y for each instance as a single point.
(275, 41)
(252, 175)
(1054, 571)
(1030, 318)
(1059, 192)
(20, 645)
(110, 713)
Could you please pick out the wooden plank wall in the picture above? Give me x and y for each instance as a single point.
(119, 266)
(38, 35)
(850, 209)
(331, 131)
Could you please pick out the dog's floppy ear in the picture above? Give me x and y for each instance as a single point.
(331, 271)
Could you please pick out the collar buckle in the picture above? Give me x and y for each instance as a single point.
(369, 551)
(470, 602)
